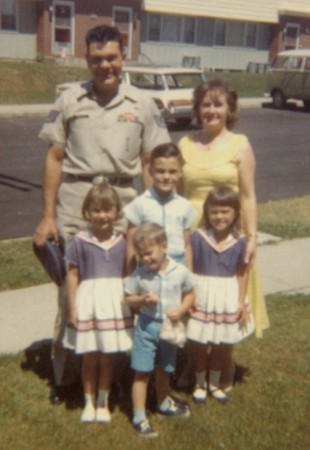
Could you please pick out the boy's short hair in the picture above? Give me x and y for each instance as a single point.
(149, 234)
(168, 150)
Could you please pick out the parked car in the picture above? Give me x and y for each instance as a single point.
(171, 88)
(289, 77)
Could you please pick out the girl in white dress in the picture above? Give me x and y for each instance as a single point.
(222, 317)
(100, 323)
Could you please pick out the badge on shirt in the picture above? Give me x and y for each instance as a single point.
(128, 117)
(51, 118)
(160, 121)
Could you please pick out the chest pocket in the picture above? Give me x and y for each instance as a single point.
(127, 138)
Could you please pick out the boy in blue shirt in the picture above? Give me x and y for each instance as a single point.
(161, 288)
(162, 205)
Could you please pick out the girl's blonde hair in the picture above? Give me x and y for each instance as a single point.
(223, 196)
(101, 196)
(149, 234)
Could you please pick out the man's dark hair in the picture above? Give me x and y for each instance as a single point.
(103, 34)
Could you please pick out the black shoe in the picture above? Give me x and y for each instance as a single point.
(145, 430)
(58, 395)
(179, 401)
(176, 409)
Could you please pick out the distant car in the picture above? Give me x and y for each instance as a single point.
(171, 88)
(289, 77)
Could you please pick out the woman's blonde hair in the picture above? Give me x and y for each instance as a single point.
(101, 196)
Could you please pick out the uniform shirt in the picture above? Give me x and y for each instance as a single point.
(169, 287)
(104, 139)
(175, 214)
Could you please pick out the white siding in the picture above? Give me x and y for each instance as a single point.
(18, 46)
(210, 57)
(248, 10)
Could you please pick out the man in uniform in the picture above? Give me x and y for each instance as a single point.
(99, 130)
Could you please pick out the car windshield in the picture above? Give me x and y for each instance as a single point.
(147, 80)
(156, 81)
(287, 62)
(183, 80)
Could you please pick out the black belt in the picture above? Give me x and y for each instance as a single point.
(98, 179)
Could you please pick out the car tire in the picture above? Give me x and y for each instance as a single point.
(184, 122)
(307, 104)
(278, 99)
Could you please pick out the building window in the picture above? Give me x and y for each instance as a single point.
(8, 15)
(235, 34)
(220, 32)
(189, 30)
(171, 31)
(154, 27)
(291, 36)
(251, 35)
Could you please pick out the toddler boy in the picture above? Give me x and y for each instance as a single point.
(160, 288)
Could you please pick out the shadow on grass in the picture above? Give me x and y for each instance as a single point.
(38, 360)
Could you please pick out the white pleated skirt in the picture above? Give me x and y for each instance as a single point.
(216, 318)
(104, 321)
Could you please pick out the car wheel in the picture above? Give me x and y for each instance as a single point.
(307, 104)
(184, 122)
(278, 99)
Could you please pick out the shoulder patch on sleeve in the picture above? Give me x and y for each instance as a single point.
(52, 116)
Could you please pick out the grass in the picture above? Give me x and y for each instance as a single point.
(284, 218)
(267, 411)
(34, 82)
(27, 269)
(288, 218)
(247, 84)
(31, 83)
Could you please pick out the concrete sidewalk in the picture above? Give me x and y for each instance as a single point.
(27, 315)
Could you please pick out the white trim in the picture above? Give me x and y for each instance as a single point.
(71, 4)
(129, 11)
(297, 27)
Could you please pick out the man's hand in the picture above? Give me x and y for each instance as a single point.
(47, 229)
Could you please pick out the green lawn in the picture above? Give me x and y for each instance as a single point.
(34, 82)
(270, 410)
(285, 218)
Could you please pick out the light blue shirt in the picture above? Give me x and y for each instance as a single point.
(175, 214)
(169, 287)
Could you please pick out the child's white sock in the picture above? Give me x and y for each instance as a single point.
(214, 386)
(102, 413)
(165, 404)
(89, 399)
(201, 379)
(103, 398)
(89, 412)
(139, 416)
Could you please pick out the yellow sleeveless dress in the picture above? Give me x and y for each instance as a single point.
(202, 171)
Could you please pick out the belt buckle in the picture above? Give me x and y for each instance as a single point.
(98, 179)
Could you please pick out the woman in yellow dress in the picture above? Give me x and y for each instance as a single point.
(214, 156)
